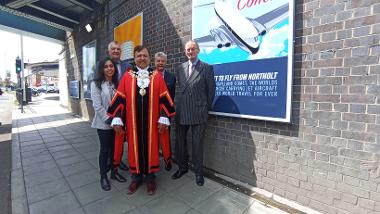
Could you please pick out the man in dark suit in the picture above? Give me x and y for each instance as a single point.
(160, 60)
(195, 93)
(114, 52)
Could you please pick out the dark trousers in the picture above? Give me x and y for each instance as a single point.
(143, 177)
(107, 145)
(197, 138)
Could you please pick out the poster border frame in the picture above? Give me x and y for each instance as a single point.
(290, 67)
(142, 28)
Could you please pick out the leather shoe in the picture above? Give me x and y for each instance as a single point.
(178, 174)
(105, 184)
(168, 166)
(123, 166)
(116, 176)
(151, 187)
(199, 180)
(133, 187)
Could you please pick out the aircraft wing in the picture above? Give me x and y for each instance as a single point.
(269, 20)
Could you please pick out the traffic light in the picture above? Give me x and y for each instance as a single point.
(18, 65)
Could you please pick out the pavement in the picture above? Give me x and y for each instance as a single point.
(55, 170)
(6, 108)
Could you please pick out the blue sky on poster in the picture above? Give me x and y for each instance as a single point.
(36, 49)
(273, 44)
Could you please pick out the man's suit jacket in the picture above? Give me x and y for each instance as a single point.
(124, 65)
(170, 82)
(195, 94)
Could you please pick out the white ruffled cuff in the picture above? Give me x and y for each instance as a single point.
(164, 120)
(117, 122)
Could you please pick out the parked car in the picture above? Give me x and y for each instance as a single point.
(35, 92)
(41, 89)
(52, 89)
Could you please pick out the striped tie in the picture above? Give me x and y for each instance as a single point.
(191, 69)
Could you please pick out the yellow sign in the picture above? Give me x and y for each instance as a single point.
(129, 34)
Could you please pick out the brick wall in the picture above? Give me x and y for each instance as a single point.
(319, 158)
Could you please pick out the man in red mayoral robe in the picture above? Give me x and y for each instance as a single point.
(140, 108)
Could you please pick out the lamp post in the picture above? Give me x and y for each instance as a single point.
(22, 69)
(20, 75)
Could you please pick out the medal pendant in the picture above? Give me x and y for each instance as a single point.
(142, 91)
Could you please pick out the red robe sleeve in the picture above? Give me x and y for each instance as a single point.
(117, 109)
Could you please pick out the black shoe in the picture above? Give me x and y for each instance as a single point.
(105, 184)
(178, 174)
(123, 166)
(199, 180)
(116, 176)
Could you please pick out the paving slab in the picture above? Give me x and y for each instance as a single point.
(42, 177)
(116, 204)
(58, 204)
(192, 194)
(83, 178)
(39, 167)
(77, 167)
(165, 204)
(69, 160)
(92, 192)
(65, 153)
(46, 190)
(224, 201)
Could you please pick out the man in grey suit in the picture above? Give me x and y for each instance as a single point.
(114, 52)
(195, 93)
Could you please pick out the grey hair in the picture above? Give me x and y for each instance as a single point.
(160, 54)
(111, 43)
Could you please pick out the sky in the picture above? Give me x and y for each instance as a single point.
(36, 49)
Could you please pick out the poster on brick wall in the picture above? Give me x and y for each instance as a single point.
(250, 45)
(129, 34)
(89, 67)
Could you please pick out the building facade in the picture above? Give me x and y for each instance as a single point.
(328, 156)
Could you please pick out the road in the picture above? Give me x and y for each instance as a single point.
(6, 107)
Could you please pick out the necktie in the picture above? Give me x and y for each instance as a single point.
(191, 69)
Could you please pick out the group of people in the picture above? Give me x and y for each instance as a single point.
(134, 104)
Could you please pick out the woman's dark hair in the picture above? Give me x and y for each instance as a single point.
(99, 74)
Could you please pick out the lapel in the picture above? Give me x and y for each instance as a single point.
(123, 67)
(166, 76)
(184, 73)
(195, 72)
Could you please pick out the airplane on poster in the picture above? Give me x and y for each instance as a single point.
(236, 29)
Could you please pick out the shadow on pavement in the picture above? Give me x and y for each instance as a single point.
(5, 128)
(52, 98)
(43, 119)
